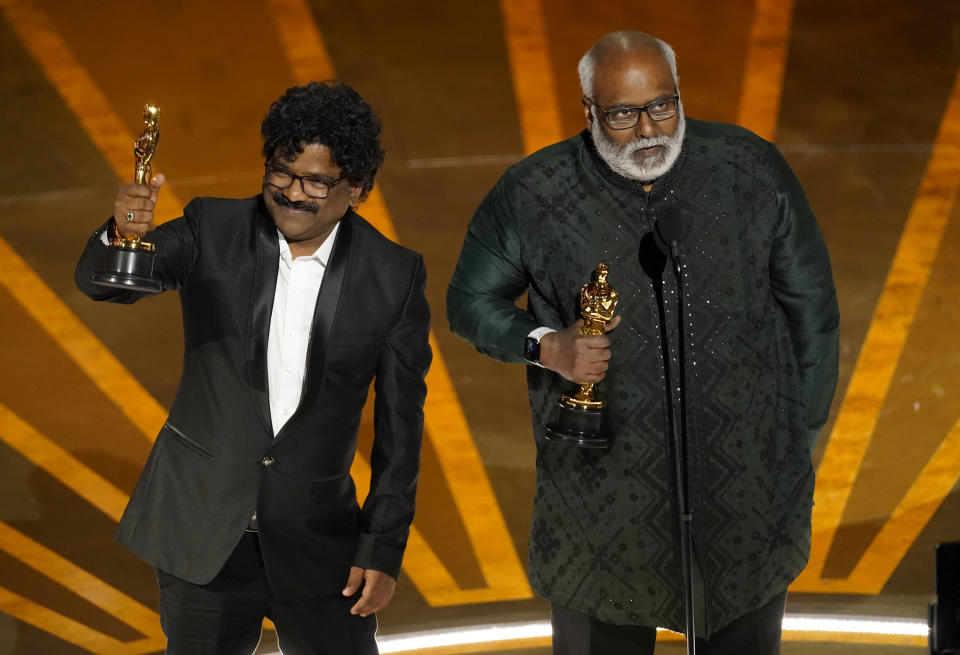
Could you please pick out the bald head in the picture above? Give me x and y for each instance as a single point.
(614, 46)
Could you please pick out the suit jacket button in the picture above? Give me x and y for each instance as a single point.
(268, 461)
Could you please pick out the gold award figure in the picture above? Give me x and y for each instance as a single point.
(598, 300)
(580, 417)
(146, 144)
(129, 262)
(144, 148)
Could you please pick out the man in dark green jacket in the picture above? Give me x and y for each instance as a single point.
(758, 335)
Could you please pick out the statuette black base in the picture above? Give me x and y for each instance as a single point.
(130, 269)
(579, 427)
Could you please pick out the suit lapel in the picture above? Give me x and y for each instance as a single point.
(266, 248)
(327, 301)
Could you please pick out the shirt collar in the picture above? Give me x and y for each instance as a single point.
(321, 255)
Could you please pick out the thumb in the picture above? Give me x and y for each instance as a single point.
(612, 323)
(157, 181)
(353, 581)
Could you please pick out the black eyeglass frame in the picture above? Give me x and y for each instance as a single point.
(640, 110)
(270, 166)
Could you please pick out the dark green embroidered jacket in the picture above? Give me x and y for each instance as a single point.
(760, 337)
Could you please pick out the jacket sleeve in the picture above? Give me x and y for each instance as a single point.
(802, 283)
(490, 277)
(400, 391)
(176, 251)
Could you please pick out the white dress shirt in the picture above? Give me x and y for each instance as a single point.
(298, 283)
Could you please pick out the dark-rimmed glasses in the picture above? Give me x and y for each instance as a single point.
(313, 187)
(623, 117)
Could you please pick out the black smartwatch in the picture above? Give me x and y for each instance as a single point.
(531, 347)
(531, 350)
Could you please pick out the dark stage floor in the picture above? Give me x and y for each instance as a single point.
(862, 97)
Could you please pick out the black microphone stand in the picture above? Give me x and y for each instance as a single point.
(653, 258)
(676, 398)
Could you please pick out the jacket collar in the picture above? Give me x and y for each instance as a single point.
(266, 251)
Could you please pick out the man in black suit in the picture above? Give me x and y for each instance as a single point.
(292, 304)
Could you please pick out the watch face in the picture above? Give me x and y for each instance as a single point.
(531, 350)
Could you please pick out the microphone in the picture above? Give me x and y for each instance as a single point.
(660, 242)
(669, 227)
(653, 257)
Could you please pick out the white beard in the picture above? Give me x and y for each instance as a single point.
(621, 158)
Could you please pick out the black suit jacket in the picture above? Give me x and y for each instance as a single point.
(216, 460)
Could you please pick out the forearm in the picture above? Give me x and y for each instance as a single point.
(400, 391)
(394, 468)
(493, 324)
(481, 299)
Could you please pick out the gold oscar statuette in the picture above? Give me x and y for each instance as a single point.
(129, 263)
(580, 417)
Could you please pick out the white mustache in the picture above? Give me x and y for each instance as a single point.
(646, 142)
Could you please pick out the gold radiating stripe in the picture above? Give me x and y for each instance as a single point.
(83, 584)
(532, 73)
(444, 419)
(71, 631)
(428, 573)
(470, 487)
(302, 43)
(82, 95)
(105, 496)
(108, 133)
(939, 476)
(56, 319)
(876, 364)
(46, 454)
(765, 66)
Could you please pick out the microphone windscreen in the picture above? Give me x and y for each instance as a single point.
(653, 256)
(669, 226)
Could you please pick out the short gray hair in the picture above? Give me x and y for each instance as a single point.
(617, 42)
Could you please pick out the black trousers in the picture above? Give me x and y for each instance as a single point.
(225, 616)
(754, 633)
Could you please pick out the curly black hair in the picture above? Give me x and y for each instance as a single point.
(329, 113)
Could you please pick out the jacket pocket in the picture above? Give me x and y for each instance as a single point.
(188, 442)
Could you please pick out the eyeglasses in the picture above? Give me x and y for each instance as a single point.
(623, 118)
(314, 187)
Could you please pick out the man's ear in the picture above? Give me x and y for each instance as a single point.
(587, 114)
(356, 193)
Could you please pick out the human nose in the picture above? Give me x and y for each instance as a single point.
(295, 189)
(646, 126)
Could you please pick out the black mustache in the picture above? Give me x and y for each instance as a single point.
(303, 205)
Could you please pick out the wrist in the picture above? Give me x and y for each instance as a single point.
(532, 348)
(547, 350)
